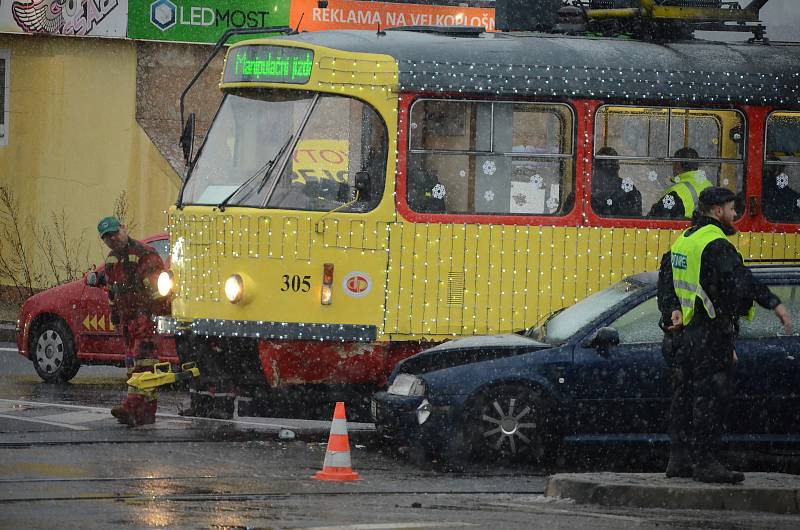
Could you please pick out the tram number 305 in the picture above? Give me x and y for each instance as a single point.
(296, 283)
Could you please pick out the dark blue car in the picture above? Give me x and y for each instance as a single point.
(592, 372)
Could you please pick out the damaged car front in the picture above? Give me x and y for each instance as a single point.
(430, 395)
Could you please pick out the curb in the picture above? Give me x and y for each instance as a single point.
(760, 492)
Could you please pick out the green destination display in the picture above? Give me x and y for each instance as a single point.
(202, 20)
(264, 63)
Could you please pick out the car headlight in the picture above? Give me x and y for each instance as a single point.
(407, 385)
(165, 283)
(234, 288)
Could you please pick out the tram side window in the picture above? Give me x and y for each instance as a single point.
(475, 157)
(653, 161)
(781, 173)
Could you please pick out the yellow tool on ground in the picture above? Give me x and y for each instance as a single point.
(161, 375)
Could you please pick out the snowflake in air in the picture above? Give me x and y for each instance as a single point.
(462, 173)
(652, 176)
(609, 202)
(552, 203)
(782, 180)
(520, 199)
(798, 203)
(439, 191)
(489, 167)
(489, 195)
(537, 181)
(627, 185)
(668, 202)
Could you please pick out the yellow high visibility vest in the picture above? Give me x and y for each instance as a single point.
(688, 188)
(686, 255)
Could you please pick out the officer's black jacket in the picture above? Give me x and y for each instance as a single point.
(730, 285)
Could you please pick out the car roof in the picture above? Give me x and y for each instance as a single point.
(765, 272)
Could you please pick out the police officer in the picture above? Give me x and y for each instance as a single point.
(131, 275)
(680, 200)
(705, 288)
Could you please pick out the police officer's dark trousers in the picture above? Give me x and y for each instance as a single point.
(701, 379)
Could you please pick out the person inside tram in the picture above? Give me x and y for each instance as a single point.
(422, 184)
(680, 200)
(781, 203)
(611, 195)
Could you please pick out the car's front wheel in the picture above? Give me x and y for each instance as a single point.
(510, 423)
(53, 352)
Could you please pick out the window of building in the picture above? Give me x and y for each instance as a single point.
(649, 161)
(480, 157)
(780, 187)
(5, 94)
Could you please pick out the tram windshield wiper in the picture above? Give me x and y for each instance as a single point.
(265, 170)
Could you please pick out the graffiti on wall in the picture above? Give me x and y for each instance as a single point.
(106, 18)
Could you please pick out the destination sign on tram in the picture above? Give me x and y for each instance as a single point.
(272, 64)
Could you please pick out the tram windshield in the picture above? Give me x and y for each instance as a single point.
(291, 150)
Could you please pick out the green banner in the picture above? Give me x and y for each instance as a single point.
(201, 20)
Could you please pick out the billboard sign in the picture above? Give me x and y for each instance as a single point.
(201, 20)
(349, 14)
(95, 18)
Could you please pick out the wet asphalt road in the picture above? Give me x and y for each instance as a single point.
(65, 463)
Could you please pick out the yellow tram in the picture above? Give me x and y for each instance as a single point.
(362, 193)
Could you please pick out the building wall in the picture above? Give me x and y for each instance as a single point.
(73, 138)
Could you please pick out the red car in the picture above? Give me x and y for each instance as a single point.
(66, 326)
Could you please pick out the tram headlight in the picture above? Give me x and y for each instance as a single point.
(165, 283)
(234, 288)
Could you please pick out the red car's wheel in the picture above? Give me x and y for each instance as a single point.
(53, 352)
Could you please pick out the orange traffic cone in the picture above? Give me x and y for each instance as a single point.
(337, 458)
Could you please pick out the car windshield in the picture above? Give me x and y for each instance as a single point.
(289, 149)
(564, 323)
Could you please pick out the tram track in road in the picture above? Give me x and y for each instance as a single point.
(234, 497)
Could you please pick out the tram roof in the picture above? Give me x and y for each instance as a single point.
(688, 72)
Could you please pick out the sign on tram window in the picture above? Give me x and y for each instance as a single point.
(482, 157)
(268, 64)
(651, 162)
(780, 186)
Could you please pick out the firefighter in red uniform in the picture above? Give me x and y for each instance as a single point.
(131, 276)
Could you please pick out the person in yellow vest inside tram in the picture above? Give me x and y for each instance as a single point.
(680, 200)
(707, 287)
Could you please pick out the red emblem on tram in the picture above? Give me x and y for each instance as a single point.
(357, 284)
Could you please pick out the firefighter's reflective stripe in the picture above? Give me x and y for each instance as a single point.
(698, 291)
(133, 258)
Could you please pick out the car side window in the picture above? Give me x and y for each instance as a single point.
(640, 324)
(765, 324)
